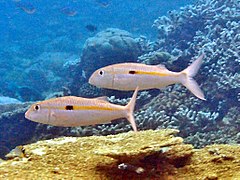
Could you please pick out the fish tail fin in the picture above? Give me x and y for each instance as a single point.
(130, 108)
(188, 80)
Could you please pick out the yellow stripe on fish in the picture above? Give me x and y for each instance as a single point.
(127, 76)
(77, 108)
(139, 72)
(147, 73)
(94, 108)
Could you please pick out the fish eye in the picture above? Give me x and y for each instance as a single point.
(101, 72)
(36, 107)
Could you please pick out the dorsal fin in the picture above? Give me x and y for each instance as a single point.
(161, 66)
(102, 98)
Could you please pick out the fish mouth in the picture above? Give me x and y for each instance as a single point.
(93, 83)
(27, 115)
(90, 80)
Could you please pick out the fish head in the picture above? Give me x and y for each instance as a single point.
(38, 113)
(103, 78)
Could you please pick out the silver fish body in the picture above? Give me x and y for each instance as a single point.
(71, 111)
(127, 76)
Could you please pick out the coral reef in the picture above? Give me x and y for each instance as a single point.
(210, 27)
(155, 58)
(44, 75)
(8, 100)
(143, 155)
(48, 71)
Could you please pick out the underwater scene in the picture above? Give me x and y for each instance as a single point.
(114, 89)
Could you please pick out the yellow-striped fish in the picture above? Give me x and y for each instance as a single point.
(127, 76)
(70, 111)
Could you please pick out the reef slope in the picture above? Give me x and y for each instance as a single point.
(146, 154)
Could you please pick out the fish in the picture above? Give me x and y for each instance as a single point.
(91, 27)
(27, 7)
(18, 151)
(103, 3)
(69, 11)
(72, 111)
(127, 76)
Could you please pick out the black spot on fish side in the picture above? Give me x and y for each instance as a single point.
(69, 107)
(132, 72)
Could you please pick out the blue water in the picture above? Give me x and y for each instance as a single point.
(26, 36)
(29, 31)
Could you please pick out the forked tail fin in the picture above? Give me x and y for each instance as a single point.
(130, 108)
(188, 80)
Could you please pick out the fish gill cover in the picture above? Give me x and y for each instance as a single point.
(51, 49)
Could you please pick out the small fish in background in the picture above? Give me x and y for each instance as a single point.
(18, 151)
(71, 111)
(91, 28)
(103, 3)
(127, 76)
(27, 7)
(69, 11)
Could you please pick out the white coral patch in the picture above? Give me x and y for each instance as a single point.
(61, 140)
(39, 151)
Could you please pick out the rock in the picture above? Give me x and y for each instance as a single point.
(108, 47)
(149, 143)
(14, 128)
(142, 155)
(1, 160)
